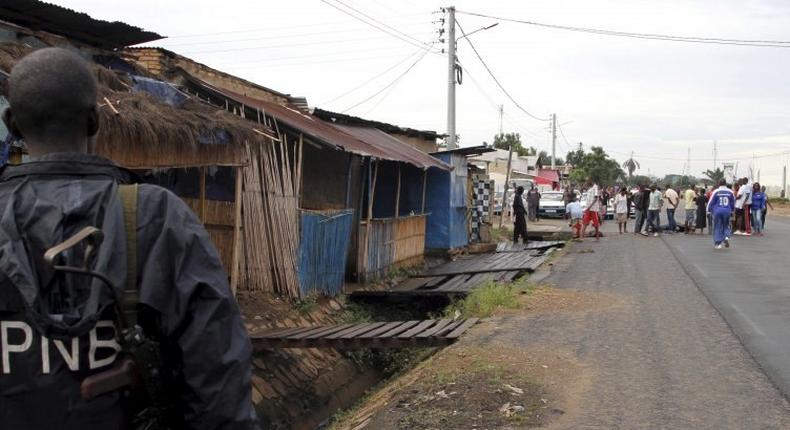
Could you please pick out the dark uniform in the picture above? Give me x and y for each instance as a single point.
(520, 225)
(57, 330)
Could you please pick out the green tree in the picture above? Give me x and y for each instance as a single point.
(578, 176)
(714, 175)
(575, 158)
(600, 167)
(505, 140)
(631, 165)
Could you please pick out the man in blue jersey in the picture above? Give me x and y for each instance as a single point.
(721, 205)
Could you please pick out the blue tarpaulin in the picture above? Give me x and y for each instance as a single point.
(323, 249)
(164, 91)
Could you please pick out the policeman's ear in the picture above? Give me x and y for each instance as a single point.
(93, 121)
(10, 123)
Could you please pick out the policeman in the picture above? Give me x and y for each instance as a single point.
(57, 330)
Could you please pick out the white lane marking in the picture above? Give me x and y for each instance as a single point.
(699, 269)
(748, 320)
(681, 250)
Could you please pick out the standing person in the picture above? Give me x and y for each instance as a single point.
(639, 216)
(520, 213)
(621, 210)
(574, 211)
(533, 202)
(709, 215)
(767, 205)
(702, 208)
(605, 197)
(738, 227)
(174, 286)
(591, 214)
(689, 196)
(747, 205)
(721, 205)
(654, 210)
(672, 203)
(757, 207)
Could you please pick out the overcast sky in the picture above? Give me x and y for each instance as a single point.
(655, 98)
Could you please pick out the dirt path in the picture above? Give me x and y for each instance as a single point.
(606, 347)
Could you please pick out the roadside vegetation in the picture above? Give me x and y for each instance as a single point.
(487, 299)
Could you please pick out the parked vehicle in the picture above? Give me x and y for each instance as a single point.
(551, 205)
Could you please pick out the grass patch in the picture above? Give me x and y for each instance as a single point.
(306, 305)
(503, 234)
(778, 200)
(487, 299)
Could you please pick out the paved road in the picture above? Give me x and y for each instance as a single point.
(749, 284)
(664, 358)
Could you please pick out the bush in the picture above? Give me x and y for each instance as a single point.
(485, 300)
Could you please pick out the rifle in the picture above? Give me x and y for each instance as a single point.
(143, 361)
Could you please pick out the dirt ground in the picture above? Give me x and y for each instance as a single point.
(782, 209)
(483, 382)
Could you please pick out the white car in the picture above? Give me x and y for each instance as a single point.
(551, 205)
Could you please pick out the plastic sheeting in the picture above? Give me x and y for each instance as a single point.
(323, 249)
(164, 91)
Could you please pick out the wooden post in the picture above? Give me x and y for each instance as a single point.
(203, 194)
(397, 195)
(348, 180)
(234, 269)
(371, 194)
(424, 186)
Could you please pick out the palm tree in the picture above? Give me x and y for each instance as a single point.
(714, 175)
(631, 165)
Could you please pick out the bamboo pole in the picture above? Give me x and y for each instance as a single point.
(348, 179)
(234, 270)
(397, 194)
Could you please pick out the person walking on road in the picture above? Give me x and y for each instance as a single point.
(757, 207)
(702, 205)
(591, 211)
(533, 203)
(721, 206)
(689, 197)
(672, 203)
(621, 210)
(575, 212)
(654, 210)
(641, 200)
(520, 213)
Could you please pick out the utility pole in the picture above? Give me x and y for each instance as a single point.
(507, 184)
(688, 162)
(553, 139)
(715, 154)
(784, 181)
(451, 60)
(580, 147)
(501, 112)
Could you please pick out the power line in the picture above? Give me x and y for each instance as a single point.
(649, 36)
(394, 82)
(564, 139)
(378, 75)
(488, 69)
(385, 25)
(744, 157)
(380, 28)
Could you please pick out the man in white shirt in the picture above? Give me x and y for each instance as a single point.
(593, 205)
(672, 203)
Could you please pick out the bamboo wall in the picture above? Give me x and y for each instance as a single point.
(391, 242)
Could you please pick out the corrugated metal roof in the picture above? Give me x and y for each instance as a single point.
(395, 148)
(41, 16)
(367, 142)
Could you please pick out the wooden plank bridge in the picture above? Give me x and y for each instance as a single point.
(394, 334)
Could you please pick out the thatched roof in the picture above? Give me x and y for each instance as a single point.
(147, 132)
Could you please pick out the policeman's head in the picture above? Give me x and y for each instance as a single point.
(520, 190)
(52, 95)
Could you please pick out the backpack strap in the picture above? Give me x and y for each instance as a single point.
(131, 295)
